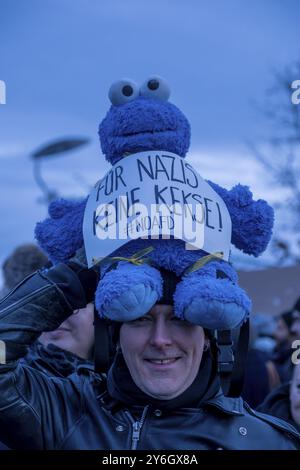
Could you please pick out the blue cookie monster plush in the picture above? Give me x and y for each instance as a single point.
(142, 119)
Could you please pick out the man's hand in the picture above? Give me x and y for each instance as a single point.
(89, 278)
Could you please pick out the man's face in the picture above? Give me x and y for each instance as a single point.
(295, 328)
(162, 352)
(76, 334)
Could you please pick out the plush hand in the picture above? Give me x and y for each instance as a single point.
(212, 298)
(252, 221)
(128, 292)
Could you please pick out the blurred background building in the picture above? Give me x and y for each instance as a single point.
(272, 290)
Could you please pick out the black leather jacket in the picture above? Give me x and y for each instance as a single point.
(42, 412)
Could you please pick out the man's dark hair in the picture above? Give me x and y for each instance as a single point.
(297, 305)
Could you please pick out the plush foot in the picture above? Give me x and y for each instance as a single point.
(211, 298)
(128, 292)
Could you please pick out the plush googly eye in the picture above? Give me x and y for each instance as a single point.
(123, 91)
(155, 87)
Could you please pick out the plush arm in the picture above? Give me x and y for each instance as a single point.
(60, 235)
(252, 221)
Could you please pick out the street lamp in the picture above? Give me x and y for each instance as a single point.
(49, 150)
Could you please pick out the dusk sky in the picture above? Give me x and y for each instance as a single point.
(59, 57)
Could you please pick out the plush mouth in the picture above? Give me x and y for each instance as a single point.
(150, 132)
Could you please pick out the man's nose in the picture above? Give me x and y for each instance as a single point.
(160, 334)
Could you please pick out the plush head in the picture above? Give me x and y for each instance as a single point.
(142, 119)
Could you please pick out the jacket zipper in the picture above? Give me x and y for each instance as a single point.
(136, 427)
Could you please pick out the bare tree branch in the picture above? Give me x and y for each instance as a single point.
(279, 155)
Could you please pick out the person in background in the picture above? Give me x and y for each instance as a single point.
(261, 375)
(23, 261)
(62, 351)
(294, 395)
(263, 327)
(284, 401)
(57, 353)
(281, 356)
(75, 334)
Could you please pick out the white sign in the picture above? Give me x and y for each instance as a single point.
(152, 195)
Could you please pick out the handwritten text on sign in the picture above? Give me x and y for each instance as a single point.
(154, 194)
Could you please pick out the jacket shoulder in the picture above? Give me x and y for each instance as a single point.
(247, 429)
(274, 421)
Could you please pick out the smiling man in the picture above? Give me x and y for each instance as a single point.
(162, 390)
(162, 352)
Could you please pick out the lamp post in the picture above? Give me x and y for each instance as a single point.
(51, 149)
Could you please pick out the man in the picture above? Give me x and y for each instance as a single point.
(162, 390)
(62, 351)
(282, 333)
(295, 396)
(75, 334)
(284, 401)
(162, 353)
(281, 356)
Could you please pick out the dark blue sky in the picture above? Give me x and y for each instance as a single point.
(59, 57)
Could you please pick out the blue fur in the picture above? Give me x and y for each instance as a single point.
(143, 124)
(252, 221)
(220, 304)
(60, 235)
(129, 291)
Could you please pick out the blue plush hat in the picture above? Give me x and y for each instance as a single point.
(207, 293)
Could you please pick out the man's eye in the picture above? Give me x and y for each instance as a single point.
(176, 319)
(180, 322)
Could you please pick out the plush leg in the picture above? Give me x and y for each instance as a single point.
(128, 292)
(211, 298)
